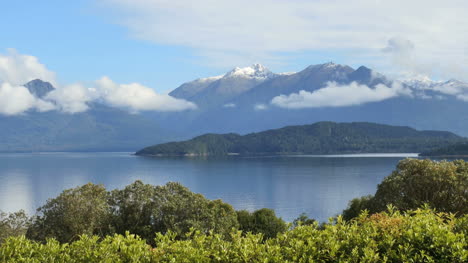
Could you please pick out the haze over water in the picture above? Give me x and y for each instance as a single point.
(319, 186)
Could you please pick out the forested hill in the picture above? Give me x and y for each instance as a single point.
(318, 138)
(459, 149)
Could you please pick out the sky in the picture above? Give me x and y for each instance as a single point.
(131, 53)
(163, 43)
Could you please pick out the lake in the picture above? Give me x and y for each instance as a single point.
(319, 186)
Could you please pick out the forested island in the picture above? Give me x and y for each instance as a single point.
(318, 138)
(455, 150)
(405, 221)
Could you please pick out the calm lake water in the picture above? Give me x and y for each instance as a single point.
(319, 186)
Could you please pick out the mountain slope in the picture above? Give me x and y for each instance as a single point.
(318, 138)
(455, 150)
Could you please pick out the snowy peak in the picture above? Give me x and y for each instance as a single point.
(451, 87)
(256, 71)
(208, 79)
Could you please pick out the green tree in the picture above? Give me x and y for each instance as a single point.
(442, 185)
(261, 221)
(144, 209)
(13, 224)
(133, 210)
(178, 209)
(81, 210)
(357, 205)
(303, 220)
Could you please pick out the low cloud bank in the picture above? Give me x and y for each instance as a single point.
(18, 69)
(336, 95)
(15, 100)
(137, 97)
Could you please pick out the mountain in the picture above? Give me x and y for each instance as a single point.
(454, 150)
(428, 105)
(318, 138)
(39, 88)
(241, 101)
(101, 128)
(216, 91)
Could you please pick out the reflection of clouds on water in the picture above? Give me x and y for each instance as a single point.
(16, 192)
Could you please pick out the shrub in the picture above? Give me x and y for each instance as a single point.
(441, 185)
(420, 235)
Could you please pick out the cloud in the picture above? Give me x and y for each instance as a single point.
(72, 98)
(17, 99)
(137, 97)
(266, 30)
(399, 46)
(260, 107)
(229, 105)
(335, 95)
(17, 69)
(463, 97)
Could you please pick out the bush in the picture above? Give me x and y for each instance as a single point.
(441, 185)
(77, 211)
(262, 221)
(420, 235)
(139, 208)
(13, 224)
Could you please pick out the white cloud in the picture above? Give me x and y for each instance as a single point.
(262, 30)
(17, 69)
(229, 105)
(335, 95)
(260, 107)
(72, 98)
(463, 97)
(137, 97)
(17, 99)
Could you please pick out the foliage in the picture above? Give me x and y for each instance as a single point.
(142, 209)
(441, 185)
(77, 211)
(416, 236)
(318, 138)
(459, 149)
(303, 220)
(13, 224)
(262, 221)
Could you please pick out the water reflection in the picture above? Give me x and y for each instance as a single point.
(319, 186)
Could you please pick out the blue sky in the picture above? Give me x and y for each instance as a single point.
(162, 44)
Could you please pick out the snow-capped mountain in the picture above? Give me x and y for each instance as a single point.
(241, 100)
(216, 91)
(451, 87)
(256, 71)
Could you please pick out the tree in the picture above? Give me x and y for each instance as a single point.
(261, 221)
(13, 224)
(81, 210)
(357, 205)
(144, 209)
(132, 210)
(303, 220)
(442, 185)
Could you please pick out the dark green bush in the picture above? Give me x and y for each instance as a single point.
(13, 224)
(441, 185)
(262, 221)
